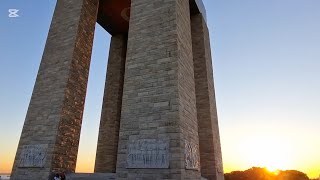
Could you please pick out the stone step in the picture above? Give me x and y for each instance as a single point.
(91, 176)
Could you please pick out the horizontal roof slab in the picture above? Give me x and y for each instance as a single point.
(114, 15)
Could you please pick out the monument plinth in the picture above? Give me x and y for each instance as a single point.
(158, 119)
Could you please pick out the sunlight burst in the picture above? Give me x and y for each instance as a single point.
(270, 152)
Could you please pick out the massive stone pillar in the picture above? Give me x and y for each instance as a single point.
(107, 148)
(50, 136)
(210, 150)
(158, 129)
(159, 117)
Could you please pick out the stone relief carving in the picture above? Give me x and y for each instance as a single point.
(192, 158)
(218, 155)
(148, 153)
(219, 165)
(33, 156)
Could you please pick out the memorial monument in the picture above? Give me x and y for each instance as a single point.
(159, 117)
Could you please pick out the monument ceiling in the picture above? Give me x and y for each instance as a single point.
(114, 15)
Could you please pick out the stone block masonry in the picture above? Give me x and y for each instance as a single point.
(210, 148)
(107, 149)
(55, 112)
(159, 101)
(159, 117)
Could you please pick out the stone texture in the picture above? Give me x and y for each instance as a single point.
(148, 154)
(56, 108)
(210, 150)
(33, 156)
(93, 176)
(159, 100)
(106, 157)
(192, 156)
(159, 92)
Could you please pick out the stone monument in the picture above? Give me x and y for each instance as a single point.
(159, 117)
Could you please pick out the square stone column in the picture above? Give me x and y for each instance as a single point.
(158, 129)
(209, 139)
(50, 136)
(107, 148)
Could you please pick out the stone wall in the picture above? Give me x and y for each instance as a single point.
(52, 127)
(107, 148)
(158, 95)
(210, 149)
(159, 117)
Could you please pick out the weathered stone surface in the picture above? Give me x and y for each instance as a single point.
(107, 147)
(56, 108)
(33, 156)
(90, 176)
(148, 153)
(192, 156)
(159, 92)
(158, 104)
(210, 150)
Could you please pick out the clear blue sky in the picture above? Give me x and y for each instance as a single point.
(266, 56)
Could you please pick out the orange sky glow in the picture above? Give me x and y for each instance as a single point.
(273, 151)
(266, 68)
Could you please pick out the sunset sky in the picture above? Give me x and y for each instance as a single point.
(266, 56)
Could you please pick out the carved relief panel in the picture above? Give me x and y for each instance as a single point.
(192, 159)
(148, 153)
(33, 156)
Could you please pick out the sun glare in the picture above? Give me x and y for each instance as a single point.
(272, 153)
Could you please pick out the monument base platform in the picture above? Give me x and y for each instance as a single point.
(95, 176)
(91, 176)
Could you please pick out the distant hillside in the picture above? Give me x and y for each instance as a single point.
(257, 173)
